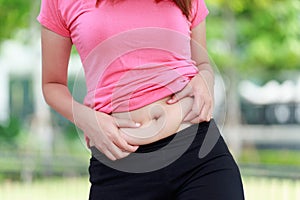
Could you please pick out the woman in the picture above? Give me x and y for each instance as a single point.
(149, 83)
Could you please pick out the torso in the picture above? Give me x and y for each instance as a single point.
(160, 36)
(134, 52)
(158, 120)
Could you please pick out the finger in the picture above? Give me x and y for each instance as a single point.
(117, 152)
(111, 151)
(205, 114)
(196, 109)
(126, 123)
(109, 155)
(123, 144)
(211, 113)
(197, 103)
(186, 91)
(103, 149)
(196, 120)
(190, 116)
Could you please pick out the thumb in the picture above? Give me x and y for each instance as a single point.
(179, 95)
(126, 123)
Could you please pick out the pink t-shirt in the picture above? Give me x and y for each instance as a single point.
(133, 52)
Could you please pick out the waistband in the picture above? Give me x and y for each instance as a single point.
(158, 154)
(179, 138)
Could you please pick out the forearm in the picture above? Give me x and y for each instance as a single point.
(207, 73)
(60, 99)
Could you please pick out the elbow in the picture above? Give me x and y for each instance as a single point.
(45, 93)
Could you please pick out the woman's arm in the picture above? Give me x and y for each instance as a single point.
(201, 87)
(102, 129)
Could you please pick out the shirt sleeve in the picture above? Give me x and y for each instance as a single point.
(50, 17)
(198, 13)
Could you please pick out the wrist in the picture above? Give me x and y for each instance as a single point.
(208, 78)
(207, 74)
(82, 115)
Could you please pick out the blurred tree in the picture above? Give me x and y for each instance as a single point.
(10, 132)
(15, 14)
(253, 39)
(255, 36)
(249, 36)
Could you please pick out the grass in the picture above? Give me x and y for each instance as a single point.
(256, 188)
(78, 188)
(270, 156)
(62, 189)
(271, 189)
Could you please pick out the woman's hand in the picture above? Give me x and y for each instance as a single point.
(102, 129)
(104, 133)
(201, 89)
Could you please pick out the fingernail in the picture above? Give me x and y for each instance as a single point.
(170, 100)
(137, 124)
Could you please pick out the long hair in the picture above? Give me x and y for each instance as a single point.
(184, 5)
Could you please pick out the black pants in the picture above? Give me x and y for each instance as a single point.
(193, 164)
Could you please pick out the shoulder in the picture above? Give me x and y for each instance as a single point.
(64, 7)
(57, 15)
(199, 12)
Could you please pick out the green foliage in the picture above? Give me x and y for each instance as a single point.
(70, 132)
(274, 41)
(258, 35)
(14, 14)
(11, 131)
(270, 157)
(247, 35)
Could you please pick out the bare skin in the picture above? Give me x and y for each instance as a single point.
(158, 120)
(118, 135)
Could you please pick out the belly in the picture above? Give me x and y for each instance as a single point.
(158, 120)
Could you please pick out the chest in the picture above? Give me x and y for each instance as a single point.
(93, 25)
